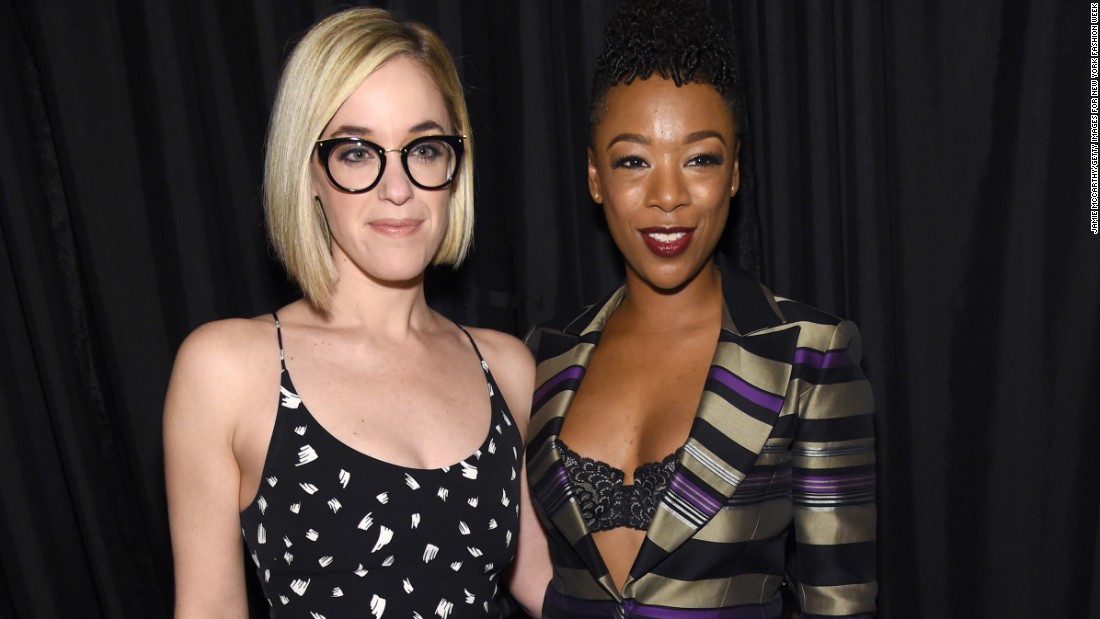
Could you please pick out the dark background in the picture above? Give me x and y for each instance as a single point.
(920, 168)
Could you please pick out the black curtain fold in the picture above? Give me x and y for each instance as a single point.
(919, 168)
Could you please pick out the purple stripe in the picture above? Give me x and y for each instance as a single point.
(571, 372)
(823, 361)
(574, 607)
(765, 479)
(761, 398)
(555, 480)
(693, 494)
(833, 485)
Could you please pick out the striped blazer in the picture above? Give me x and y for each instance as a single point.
(774, 487)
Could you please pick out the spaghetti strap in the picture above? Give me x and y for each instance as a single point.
(279, 335)
(472, 343)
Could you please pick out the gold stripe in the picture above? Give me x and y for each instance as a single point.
(838, 599)
(733, 422)
(838, 400)
(837, 525)
(710, 593)
(667, 529)
(732, 525)
(834, 454)
(762, 373)
(555, 365)
(776, 451)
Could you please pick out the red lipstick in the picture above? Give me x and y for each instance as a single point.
(667, 242)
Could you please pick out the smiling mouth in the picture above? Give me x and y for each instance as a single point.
(667, 242)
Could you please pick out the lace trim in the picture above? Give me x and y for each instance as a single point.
(605, 501)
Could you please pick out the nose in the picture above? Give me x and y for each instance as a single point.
(668, 187)
(394, 186)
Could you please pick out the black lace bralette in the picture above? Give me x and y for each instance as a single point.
(606, 503)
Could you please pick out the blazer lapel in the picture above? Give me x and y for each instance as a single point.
(742, 399)
(563, 356)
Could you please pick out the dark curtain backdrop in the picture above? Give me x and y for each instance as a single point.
(920, 168)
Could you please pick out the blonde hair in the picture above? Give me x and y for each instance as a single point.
(327, 65)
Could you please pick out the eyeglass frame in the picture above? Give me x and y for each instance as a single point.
(325, 147)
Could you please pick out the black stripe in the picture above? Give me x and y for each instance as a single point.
(719, 443)
(840, 564)
(535, 443)
(569, 384)
(775, 346)
(830, 376)
(838, 429)
(786, 426)
(698, 560)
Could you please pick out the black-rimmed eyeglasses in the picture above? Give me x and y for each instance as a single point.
(355, 165)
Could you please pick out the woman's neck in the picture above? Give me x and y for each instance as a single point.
(390, 310)
(697, 302)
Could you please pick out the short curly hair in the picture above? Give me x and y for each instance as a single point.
(678, 40)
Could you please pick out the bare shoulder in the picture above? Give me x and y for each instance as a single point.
(227, 346)
(512, 366)
(506, 347)
(220, 364)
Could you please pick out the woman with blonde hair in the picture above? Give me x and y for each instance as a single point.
(366, 449)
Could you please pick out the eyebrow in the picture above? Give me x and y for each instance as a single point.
(637, 138)
(420, 127)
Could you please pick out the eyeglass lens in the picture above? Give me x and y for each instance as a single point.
(356, 165)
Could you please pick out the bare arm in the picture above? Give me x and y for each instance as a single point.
(202, 474)
(531, 569)
(514, 369)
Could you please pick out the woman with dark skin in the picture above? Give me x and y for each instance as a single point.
(697, 444)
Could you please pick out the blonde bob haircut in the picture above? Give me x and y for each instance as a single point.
(327, 65)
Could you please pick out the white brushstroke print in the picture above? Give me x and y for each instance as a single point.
(377, 606)
(306, 454)
(299, 586)
(469, 471)
(384, 536)
(290, 400)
